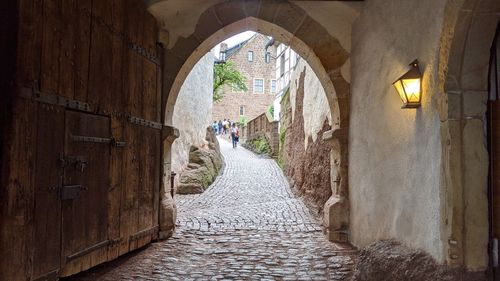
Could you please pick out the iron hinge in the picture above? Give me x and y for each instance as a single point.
(145, 123)
(111, 141)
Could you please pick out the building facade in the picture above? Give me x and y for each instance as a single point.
(286, 60)
(251, 60)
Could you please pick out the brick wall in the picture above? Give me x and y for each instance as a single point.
(254, 103)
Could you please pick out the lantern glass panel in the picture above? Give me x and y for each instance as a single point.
(412, 89)
(399, 87)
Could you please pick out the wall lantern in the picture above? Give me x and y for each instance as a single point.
(409, 86)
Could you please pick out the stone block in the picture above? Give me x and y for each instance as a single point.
(475, 103)
(468, 5)
(251, 7)
(289, 16)
(331, 54)
(268, 10)
(168, 215)
(172, 63)
(336, 217)
(184, 47)
(456, 51)
(230, 12)
(207, 25)
(475, 195)
(489, 6)
(308, 32)
(477, 53)
(454, 106)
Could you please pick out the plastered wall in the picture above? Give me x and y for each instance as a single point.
(193, 111)
(315, 105)
(394, 153)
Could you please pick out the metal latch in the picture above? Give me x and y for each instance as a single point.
(72, 191)
(79, 162)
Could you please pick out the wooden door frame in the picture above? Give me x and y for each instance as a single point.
(494, 59)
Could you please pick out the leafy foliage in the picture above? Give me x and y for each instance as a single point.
(270, 109)
(226, 74)
(282, 137)
(260, 145)
(243, 120)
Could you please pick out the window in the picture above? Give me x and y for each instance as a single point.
(222, 56)
(242, 110)
(250, 56)
(273, 86)
(282, 65)
(268, 57)
(258, 85)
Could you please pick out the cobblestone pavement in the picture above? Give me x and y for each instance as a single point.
(247, 226)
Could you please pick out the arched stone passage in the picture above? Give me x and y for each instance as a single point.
(291, 25)
(468, 31)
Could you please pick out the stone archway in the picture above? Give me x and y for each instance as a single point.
(468, 31)
(291, 25)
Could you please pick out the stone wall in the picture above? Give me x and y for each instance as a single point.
(254, 103)
(417, 176)
(192, 112)
(304, 155)
(396, 158)
(262, 126)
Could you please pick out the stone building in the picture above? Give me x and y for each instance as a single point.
(420, 176)
(251, 60)
(286, 59)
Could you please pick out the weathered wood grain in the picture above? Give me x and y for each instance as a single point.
(82, 49)
(101, 57)
(48, 173)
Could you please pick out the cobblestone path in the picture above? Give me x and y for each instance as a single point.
(247, 226)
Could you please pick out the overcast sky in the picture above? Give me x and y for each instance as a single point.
(240, 37)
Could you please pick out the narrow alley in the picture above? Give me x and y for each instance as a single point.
(247, 225)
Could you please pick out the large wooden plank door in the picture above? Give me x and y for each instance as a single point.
(84, 194)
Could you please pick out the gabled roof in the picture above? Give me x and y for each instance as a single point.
(234, 49)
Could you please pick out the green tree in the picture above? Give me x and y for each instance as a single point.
(225, 74)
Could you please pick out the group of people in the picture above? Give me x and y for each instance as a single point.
(225, 128)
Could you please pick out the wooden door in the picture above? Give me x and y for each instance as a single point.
(84, 193)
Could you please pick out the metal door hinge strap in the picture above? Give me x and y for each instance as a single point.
(51, 275)
(145, 123)
(87, 251)
(55, 100)
(143, 233)
(143, 52)
(115, 242)
(111, 141)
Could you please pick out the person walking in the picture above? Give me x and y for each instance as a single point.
(224, 127)
(220, 127)
(215, 127)
(235, 135)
